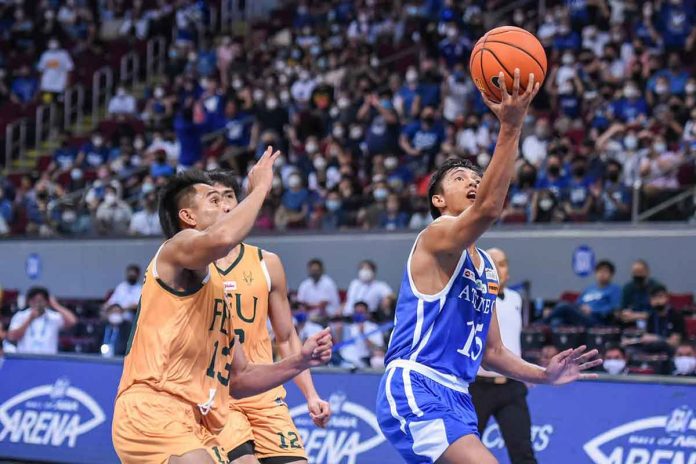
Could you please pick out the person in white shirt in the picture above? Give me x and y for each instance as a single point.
(55, 65)
(127, 293)
(365, 288)
(146, 221)
(535, 146)
(122, 103)
(36, 328)
(318, 292)
(305, 328)
(498, 396)
(364, 339)
(303, 87)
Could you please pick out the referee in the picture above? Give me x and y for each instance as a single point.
(498, 396)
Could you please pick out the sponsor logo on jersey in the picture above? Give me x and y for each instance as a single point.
(469, 274)
(666, 439)
(352, 431)
(493, 288)
(230, 285)
(491, 274)
(49, 415)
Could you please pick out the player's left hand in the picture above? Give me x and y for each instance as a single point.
(568, 366)
(319, 411)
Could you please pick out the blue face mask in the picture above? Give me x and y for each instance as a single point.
(386, 104)
(359, 317)
(300, 316)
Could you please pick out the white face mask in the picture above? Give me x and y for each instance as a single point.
(110, 198)
(159, 92)
(311, 148)
(294, 182)
(365, 274)
(271, 103)
(684, 365)
(319, 163)
(614, 366)
(631, 142)
(115, 318)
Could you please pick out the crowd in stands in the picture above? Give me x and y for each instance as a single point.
(640, 328)
(364, 98)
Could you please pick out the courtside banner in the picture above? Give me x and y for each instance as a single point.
(60, 410)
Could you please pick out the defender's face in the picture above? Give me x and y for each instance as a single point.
(459, 189)
(229, 199)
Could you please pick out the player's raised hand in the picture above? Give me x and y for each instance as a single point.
(513, 105)
(319, 411)
(261, 175)
(316, 350)
(568, 366)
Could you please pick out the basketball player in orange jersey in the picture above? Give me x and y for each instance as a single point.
(181, 364)
(260, 427)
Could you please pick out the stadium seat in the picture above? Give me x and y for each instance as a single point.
(565, 337)
(532, 356)
(681, 300)
(690, 323)
(651, 363)
(599, 337)
(570, 296)
(533, 337)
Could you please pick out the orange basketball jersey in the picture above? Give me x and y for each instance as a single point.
(181, 344)
(247, 285)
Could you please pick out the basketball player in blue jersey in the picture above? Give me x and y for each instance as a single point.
(445, 326)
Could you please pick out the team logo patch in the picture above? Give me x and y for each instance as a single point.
(230, 285)
(491, 274)
(248, 277)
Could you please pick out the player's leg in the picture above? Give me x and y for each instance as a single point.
(199, 456)
(515, 424)
(467, 450)
(276, 439)
(243, 454)
(485, 402)
(238, 438)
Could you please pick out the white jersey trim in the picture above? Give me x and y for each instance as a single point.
(154, 266)
(446, 380)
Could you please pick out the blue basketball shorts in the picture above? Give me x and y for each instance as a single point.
(421, 418)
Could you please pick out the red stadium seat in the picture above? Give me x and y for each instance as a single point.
(690, 323)
(681, 300)
(342, 295)
(515, 218)
(8, 297)
(43, 163)
(570, 296)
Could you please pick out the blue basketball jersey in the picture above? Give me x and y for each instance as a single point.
(446, 332)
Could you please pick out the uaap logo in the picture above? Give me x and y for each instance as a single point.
(49, 415)
(668, 439)
(352, 430)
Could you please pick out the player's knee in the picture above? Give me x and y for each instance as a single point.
(199, 456)
(248, 459)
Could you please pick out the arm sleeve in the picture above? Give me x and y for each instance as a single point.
(17, 320)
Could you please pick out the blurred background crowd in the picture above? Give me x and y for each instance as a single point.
(363, 97)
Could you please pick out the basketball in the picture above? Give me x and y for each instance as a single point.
(504, 49)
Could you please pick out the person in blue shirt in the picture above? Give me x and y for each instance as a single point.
(24, 86)
(296, 201)
(596, 305)
(577, 198)
(189, 134)
(675, 74)
(631, 106)
(553, 179)
(407, 94)
(64, 157)
(392, 217)
(383, 132)
(239, 122)
(421, 139)
(454, 48)
(566, 38)
(430, 87)
(6, 210)
(94, 153)
(675, 22)
(614, 198)
(160, 167)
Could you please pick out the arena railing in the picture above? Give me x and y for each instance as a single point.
(102, 89)
(130, 69)
(73, 106)
(44, 123)
(680, 195)
(15, 141)
(155, 58)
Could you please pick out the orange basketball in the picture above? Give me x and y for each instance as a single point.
(504, 49)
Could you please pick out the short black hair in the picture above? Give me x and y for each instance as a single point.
(614, 346)
(642, 262)
(33, 291)
(316, 261)
(226, 177)
(658, 289)
(177, 188)
(605, 263)
(435, 185)
(133, 267)
(370, 263)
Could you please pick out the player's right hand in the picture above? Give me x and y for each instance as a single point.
(316, 350)
(261, 175)
(513, 105)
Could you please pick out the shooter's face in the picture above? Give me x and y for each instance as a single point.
(205, 208)
(459, 188)
(229, 199)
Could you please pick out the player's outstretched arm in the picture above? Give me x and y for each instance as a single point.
(193, 249)
(249, 379)
(453, 236)
(565, 367)
(287, 339)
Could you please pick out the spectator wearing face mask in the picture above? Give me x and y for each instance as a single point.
(553, 179)
(370, 217)
(334, 217)
(685, 360)
(378, 112)
(577, 198)
(458, 92)
(122, 104)
(55, 66)
(318, 292)
(160, 167)
(658, 168)
(407, 97)
(93, 153)
(114, 332)
(521, 194)
(615, 361)
(613, 198)
(113, 214)
(421, 140)
(632, 106)
(305, 327)
(36, 328)
(393, 218)
(146, 221)
(535, 146)
(665, 325)
(362, 338)
(127, 293)
(636, 292)
(367, 289)
(295, 204)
